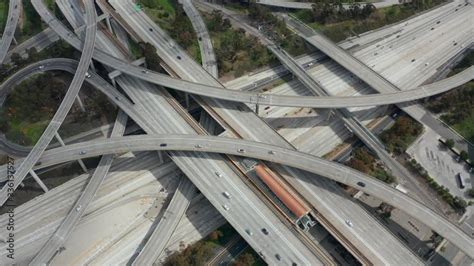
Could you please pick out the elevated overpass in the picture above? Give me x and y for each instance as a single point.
(14, 7)
(274, 154)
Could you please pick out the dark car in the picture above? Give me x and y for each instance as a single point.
(361, 184)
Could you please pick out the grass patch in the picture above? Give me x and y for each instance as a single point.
(466, 126)
(3, 14)
(32, 23)
(456, 107)
(170, 16)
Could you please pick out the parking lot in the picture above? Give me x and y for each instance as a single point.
(441, 163)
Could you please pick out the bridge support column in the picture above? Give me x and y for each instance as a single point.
(257, 108)
(14, 40)
(113, 82)
(81, 105)
(93, 66)
(60, 140)
(38, 180)
(329, 115)
(160, 156)
(107, 21)
(186, 97)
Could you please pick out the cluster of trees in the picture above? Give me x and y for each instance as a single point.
(454, 201)
(33, 24)
(182, 30)
(401, 134)
(363, 161)
(197, 254)
(151, 57)
(202, 251)
(235, 51)
(43, 90)
(23, 121)
(276, 29)
(333, 11)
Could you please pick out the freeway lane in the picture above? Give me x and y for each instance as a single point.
(256, 98)
(53, 244)
(271, 153)
(155, 245)
(65, 106)
(9, 31)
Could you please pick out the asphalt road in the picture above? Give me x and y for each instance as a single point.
(54, 243)
(271, 153)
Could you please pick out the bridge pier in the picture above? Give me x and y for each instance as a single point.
(186, 97)
(257, 109)
(113, 82)
(160, 156)
(60, 140)
(80, 103)
(109, 26)
(38, 180)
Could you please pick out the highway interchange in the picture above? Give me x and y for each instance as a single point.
(141, 113)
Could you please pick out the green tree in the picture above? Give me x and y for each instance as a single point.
(470, 192)
(151, 57)
(450, 143)
(464, 155)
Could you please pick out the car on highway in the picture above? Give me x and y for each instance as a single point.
(41, 67)
(265, 231)
(82, 152)
(249, 232)
(361, 184)
(349, 223)
(88, 75)
(241, 150)
(145, 71)
(218, 174)
(225, 207)
(78, 208)
(226, 194)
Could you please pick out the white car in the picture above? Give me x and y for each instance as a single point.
(349, 223)
(226, 194)
(41, 67)
(88, 75)
(225, 207)
(82, 152)
(218, 174)
(78, 208)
